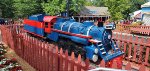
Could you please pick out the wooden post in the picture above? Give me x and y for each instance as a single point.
(61, 60)
(79, 63)
(72, 61)
(135, 49)
(147, 56)
(130, 48)
(66, 61)
(87, 64)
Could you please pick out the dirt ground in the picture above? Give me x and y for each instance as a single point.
(11, 54)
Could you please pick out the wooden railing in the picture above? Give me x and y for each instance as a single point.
(137, 49)
(145, 30)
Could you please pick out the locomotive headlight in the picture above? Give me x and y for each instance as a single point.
(96, 50)
(109, 36)
(95, 58)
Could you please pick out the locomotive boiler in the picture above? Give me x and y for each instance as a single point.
(97, 41)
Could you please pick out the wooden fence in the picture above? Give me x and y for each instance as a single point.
(45, 57)
(144, 30)
(137, 49)
(6, 35)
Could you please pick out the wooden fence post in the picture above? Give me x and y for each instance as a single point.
(87, 64)
(147, 56)
(125, 45)
(61, 60)
(56, 59)
(130, 49)
(135, 49)
(72, 61)
(141, 51)
(79, 63)
(66, 61)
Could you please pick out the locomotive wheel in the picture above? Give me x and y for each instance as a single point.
(97, 62)
(69, 45)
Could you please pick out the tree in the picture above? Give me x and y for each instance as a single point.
(120, 9)
(53, 7)
(6, 7)
(117, 8)
(136, 5)
(99, 3)
(24, 8)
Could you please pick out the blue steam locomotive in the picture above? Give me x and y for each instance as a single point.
(97, 41)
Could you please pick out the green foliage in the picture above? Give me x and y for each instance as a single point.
(6, 7)
(53, 7)
(76, 5)
(88, 3)
(24, 8)
(120, 9)
(117, 8)
(98, 3)
(134, 6)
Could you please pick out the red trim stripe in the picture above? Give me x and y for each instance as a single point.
(92, 41)
(34, 23)
(72, 34)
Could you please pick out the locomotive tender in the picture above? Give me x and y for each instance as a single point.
(97, 41)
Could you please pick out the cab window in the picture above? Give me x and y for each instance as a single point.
(52, 24)
(46, 24)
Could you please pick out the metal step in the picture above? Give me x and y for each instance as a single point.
(100, 45)
(102, 49)
(116, 48)
(103, 52)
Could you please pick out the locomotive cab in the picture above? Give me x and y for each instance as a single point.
(49, 23)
